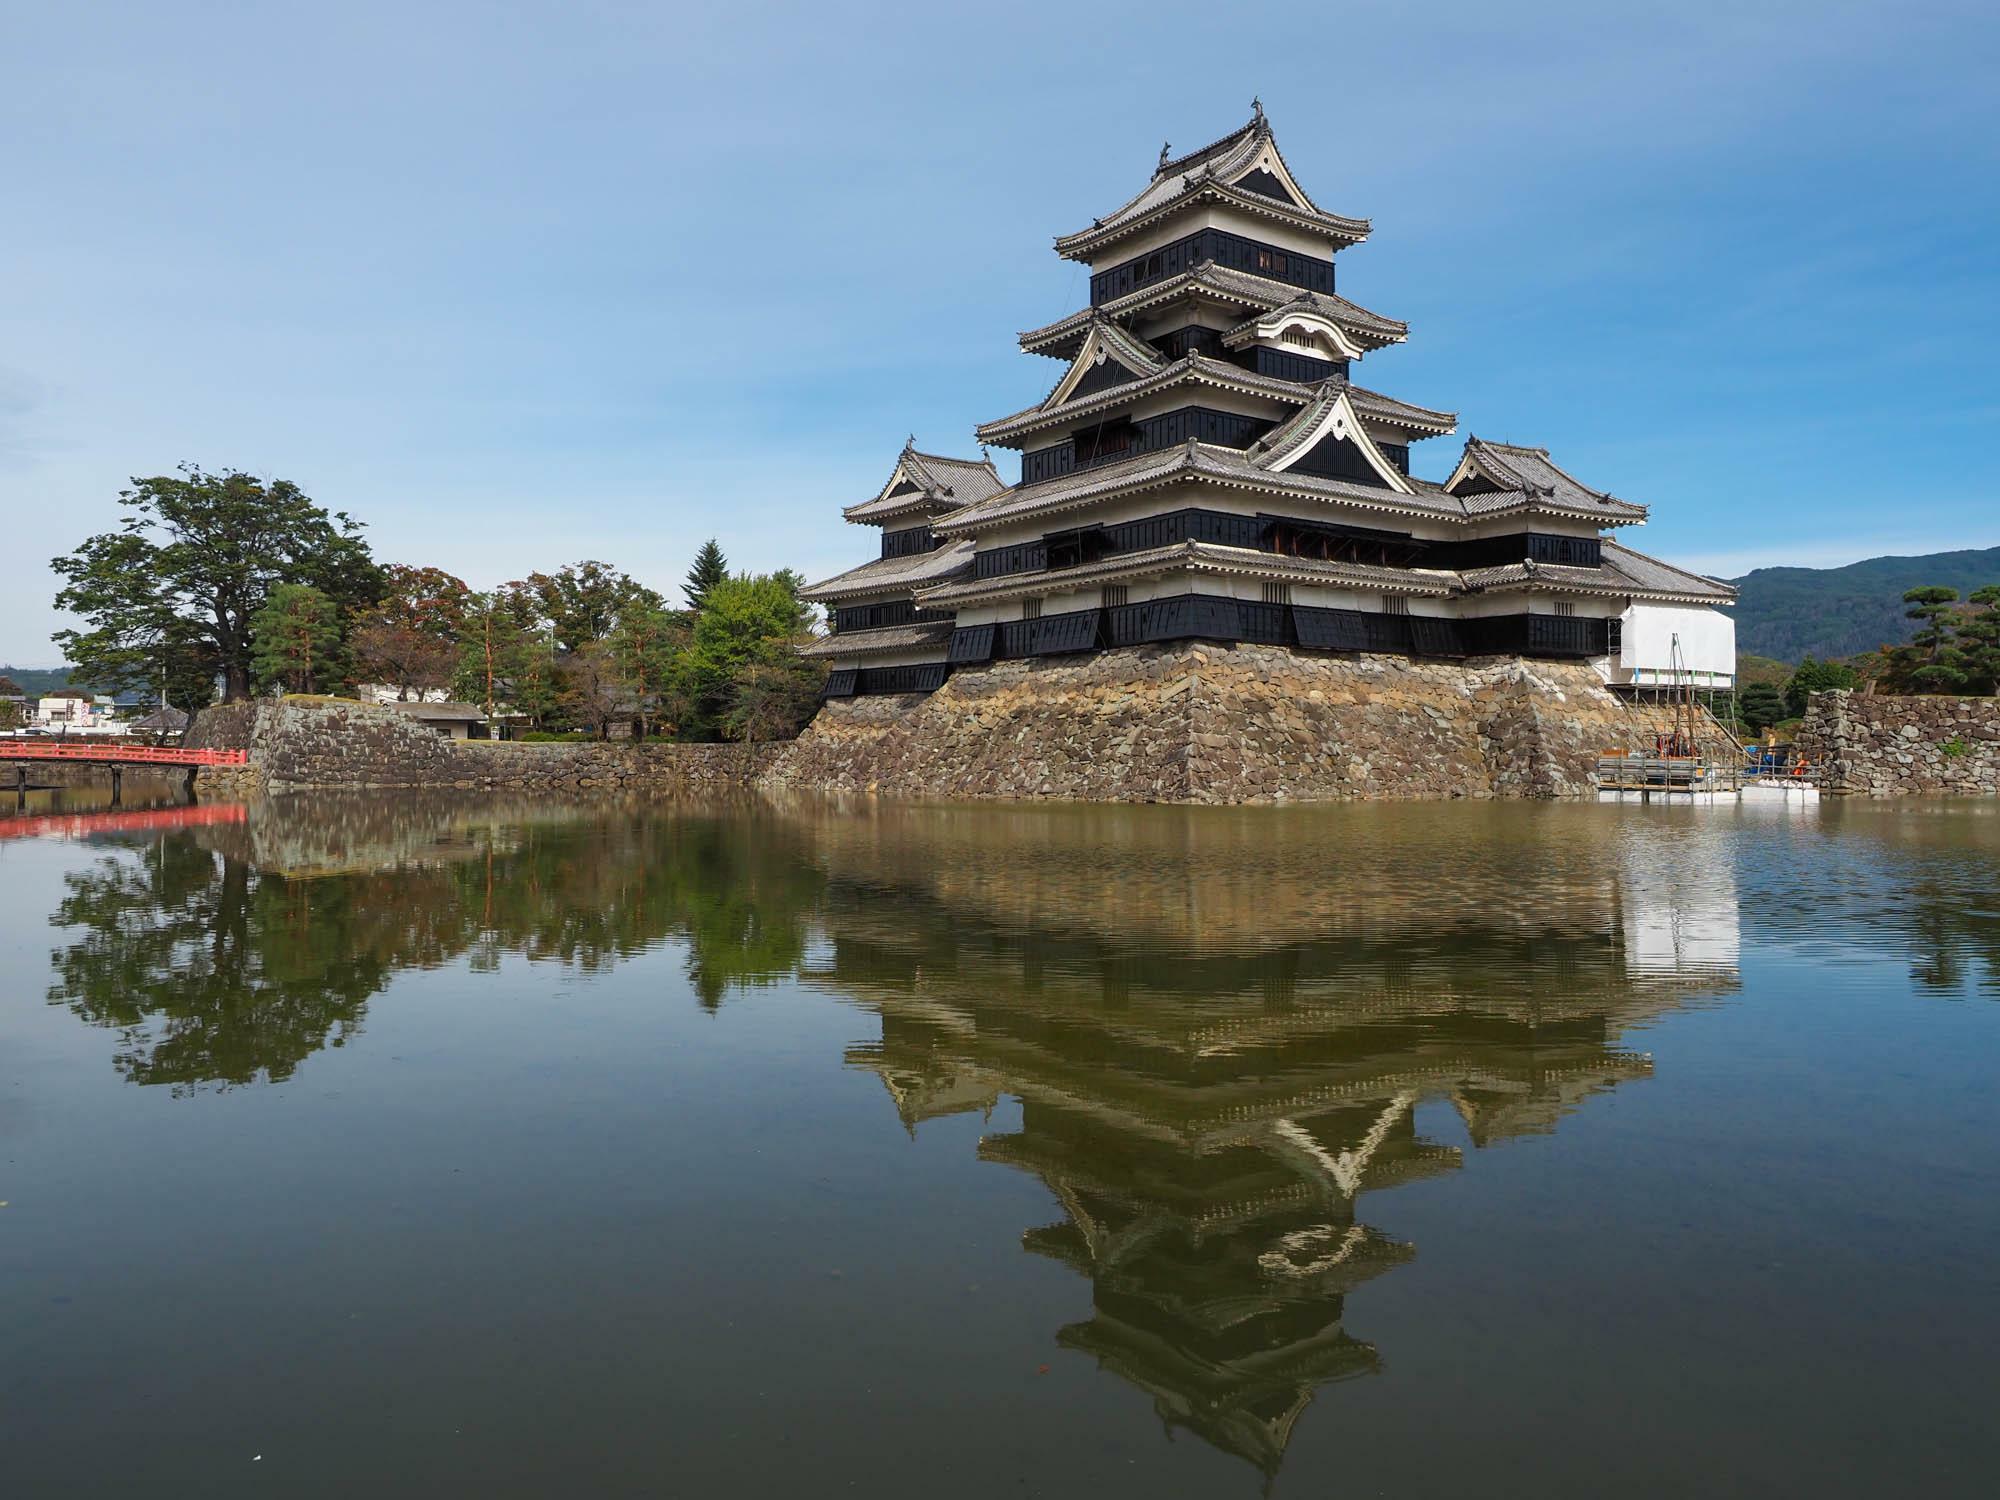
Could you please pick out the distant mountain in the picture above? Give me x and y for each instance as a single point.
(1790, 613)
(37, 680)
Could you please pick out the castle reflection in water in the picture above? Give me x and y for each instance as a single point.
(1221, 1026)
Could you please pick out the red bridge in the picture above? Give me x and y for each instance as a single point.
(105, 754)
(115, 758)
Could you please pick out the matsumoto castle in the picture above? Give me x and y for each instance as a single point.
(1208, 467)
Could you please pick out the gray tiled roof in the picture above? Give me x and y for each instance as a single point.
(943, 483)
(1210, 172)
(888, 575)
(1527, 476)
(876, 642)
(1624, 572)
(1387, 409)
(1117, 343)
(1227, 284)
(1195, 368)
(1228, 467)
(1371, 327)
(1201, 557)
(1650, 573)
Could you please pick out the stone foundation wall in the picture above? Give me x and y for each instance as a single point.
(297, 743)
(1227, 724)
(1903, 747)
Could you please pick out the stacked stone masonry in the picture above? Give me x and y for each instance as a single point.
(332, 742)
(1903, 747)
(1228, 724)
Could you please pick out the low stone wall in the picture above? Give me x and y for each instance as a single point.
(1227, 724)
(1902, 747)
(298, 743)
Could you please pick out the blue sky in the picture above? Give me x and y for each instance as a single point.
(519, 284)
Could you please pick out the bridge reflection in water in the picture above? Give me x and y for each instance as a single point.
(1224, 1029)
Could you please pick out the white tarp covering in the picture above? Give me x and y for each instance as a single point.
(1707, 645)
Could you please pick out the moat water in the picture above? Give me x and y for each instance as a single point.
(406, 1149)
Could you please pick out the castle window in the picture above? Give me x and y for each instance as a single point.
(1395, 604)
(1277, 593)
(1031, 609)
(1116, 594)
(1564, 607)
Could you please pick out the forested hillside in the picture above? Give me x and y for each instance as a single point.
(35, 681)
(1789, 613)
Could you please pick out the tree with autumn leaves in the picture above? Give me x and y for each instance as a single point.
(225, 578)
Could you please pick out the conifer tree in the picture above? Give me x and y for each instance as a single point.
(710, 568)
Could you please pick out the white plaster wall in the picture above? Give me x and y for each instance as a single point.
(1707, 644)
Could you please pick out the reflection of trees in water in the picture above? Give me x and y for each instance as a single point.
(1220, 1029)
(221, 972)
(1917, 877)
(213, 974)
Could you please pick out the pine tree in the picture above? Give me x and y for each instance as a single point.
(710, 568)
(296, 638)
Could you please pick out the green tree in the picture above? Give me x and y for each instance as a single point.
(743, 615)
(186, 572)
(1759, 705)
(775, 693)
(1979, 640)
(1931, 607)
(490, 642)
(582, 602)
(646, 651)
(534, 684)
(298, 638)
(588, 692)
(1816, 677)
(710, 568)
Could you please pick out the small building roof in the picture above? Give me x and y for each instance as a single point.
(880, 642)
(441, 712)
(889, 575)
(1496, 477)
(1624, 572)
(1244, 169)
(163, 720)
(927, 484)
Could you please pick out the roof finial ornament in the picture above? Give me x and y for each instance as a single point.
(1166, 150)
(910, 444)
(1257, 111)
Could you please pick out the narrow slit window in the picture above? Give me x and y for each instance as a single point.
(1395, 604)
(1031, 609)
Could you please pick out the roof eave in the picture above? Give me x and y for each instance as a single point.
(1084, 243)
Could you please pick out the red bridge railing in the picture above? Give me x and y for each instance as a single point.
(131, 755)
